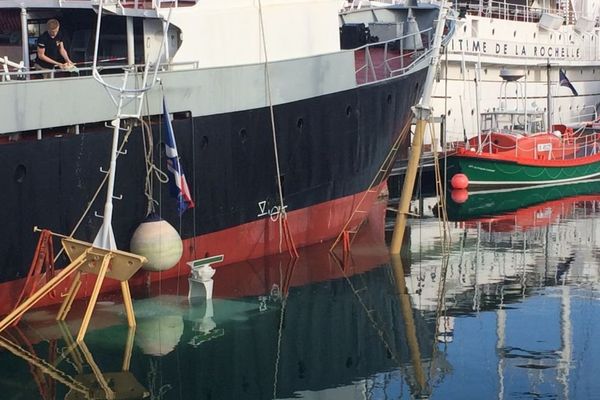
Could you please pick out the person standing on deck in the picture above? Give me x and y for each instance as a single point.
(51, 50)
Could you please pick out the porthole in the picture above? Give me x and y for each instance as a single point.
(20, 173)
(449, 112)
(243, 135)
(465, 28)
(348, 111)
(493, 31)
(515, 33)
(204, 142)
(551, 37)
(559, 37)
(472, 112)
(534, 34)
(300, 123)
(389, 99)
(417, 86)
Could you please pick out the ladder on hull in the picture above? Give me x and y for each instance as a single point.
(359, 214)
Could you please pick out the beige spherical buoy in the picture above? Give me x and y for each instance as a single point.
(159, 242)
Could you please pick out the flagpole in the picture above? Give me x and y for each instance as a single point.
(548, 99)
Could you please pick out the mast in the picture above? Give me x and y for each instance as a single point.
(122, 96)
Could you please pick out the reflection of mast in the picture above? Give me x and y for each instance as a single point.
(500, 331)
(564, 362)
(566, 343)
(476, 292)
(411, 331)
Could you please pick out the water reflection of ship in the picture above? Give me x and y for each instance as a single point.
(496, 242)
(279, 329)
(527, 207)
(501, 263)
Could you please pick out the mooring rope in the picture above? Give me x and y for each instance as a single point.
(282, 212)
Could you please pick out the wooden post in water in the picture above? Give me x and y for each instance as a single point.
(407, 187)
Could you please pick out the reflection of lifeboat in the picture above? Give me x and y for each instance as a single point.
(523, 209)
(524, 218)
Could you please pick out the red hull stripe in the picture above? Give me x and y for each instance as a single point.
(260, 238)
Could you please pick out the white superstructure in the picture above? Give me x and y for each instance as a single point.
(539, 40)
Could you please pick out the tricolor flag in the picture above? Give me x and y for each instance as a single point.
(564, 81)
(179, 187)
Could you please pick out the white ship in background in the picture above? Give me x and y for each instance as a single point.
(534, 40)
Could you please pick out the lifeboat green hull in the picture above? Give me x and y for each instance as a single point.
(488, 172)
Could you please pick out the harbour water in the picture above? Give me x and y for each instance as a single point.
(509, 308)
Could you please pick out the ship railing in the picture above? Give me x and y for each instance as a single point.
(115, 69)
(588, 114)
(513, 12)
(385, 59)
(154, 4)
(6, 65)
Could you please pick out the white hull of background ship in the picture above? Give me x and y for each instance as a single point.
(536, 40)
(283, 134)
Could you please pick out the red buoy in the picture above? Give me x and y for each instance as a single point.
(459, 181)
(459, 196)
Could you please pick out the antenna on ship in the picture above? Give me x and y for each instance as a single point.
(122, 96)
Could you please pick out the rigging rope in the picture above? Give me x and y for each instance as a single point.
(439, 191)
(151, 169)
